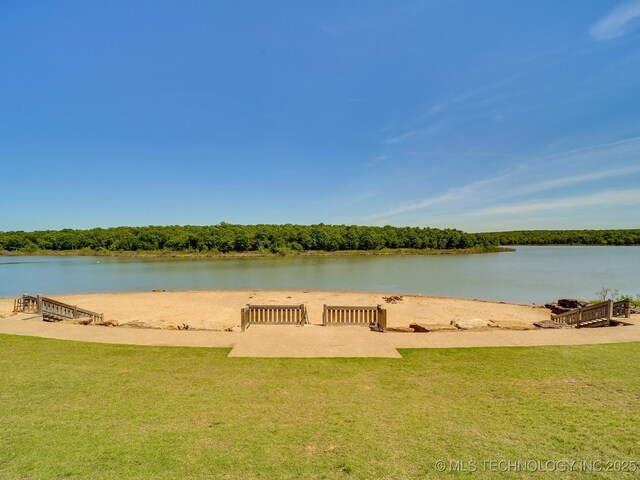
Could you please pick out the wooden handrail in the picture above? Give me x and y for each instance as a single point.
(598, 311)
(54, 309)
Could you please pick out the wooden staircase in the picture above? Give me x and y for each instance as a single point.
(597, 315)
(53, 310)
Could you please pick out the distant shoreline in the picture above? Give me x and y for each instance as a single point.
(260, 254)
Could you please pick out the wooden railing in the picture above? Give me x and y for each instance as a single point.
(53, 310)
(602, 312)
(25, 304)
(355, 315)
(622, 308)
(273, 315)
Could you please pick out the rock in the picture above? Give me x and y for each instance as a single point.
(424, 327)
(442, 327)
(565, 304)
(401, 329)
(572, 303)
(509, 325)
(419, 327)
(472, 323)
(550, 324)
(138, 324)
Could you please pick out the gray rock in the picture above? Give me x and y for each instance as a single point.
(472, 323)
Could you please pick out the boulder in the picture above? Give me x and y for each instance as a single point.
(565, 304)
(572, 303)
(512, 325)
(418, 327)
(400, 329)
(550, 324)
(472, 323)
(435, 327)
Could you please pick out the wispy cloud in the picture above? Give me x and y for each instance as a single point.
(629, 197)
(619, 21)
(566, 181)
(400, 138)
(466, 97)
(513, 183)
(450, 196)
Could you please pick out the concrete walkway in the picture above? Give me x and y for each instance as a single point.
(312, 341)
(315, 340)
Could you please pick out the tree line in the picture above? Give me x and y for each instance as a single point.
(566, 237)
(225, 237)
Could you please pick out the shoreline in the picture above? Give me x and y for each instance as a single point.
(288, 290)
(257, 254)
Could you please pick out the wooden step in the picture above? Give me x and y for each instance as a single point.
(600, 322)
(52, 317)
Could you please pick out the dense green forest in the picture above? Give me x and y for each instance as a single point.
(566, 237)
(224, 238)
(228, 238)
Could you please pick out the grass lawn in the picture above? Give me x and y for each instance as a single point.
(81, 410)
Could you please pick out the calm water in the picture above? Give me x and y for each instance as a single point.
(531, 274)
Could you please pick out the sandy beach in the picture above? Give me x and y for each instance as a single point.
(220, 309)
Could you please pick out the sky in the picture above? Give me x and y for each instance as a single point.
(483, 116)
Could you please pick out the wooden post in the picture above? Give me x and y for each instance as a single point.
(75, 311)
(324, 315)
(39, 300)
(609, 312)
(382, 318)
(579, 317)
(627, 309)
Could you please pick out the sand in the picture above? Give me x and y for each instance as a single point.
(214, 311)
(220, 309)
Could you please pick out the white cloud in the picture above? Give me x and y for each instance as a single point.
(516, 182)
(587, 177)
(618, 22)
(450, 196)
(619, 198)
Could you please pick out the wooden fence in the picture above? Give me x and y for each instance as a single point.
(355, 315)
(597, 315)
(53, 310)
(273, 315)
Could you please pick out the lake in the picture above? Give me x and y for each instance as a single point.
(528, 275)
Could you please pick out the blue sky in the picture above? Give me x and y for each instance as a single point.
(491, 115)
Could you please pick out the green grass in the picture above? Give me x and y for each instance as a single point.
(80, 410)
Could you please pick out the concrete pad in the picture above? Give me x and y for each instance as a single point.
(312, 341)
(316, 340)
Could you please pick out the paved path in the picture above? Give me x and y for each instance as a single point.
(312, 341)
(315, 340)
